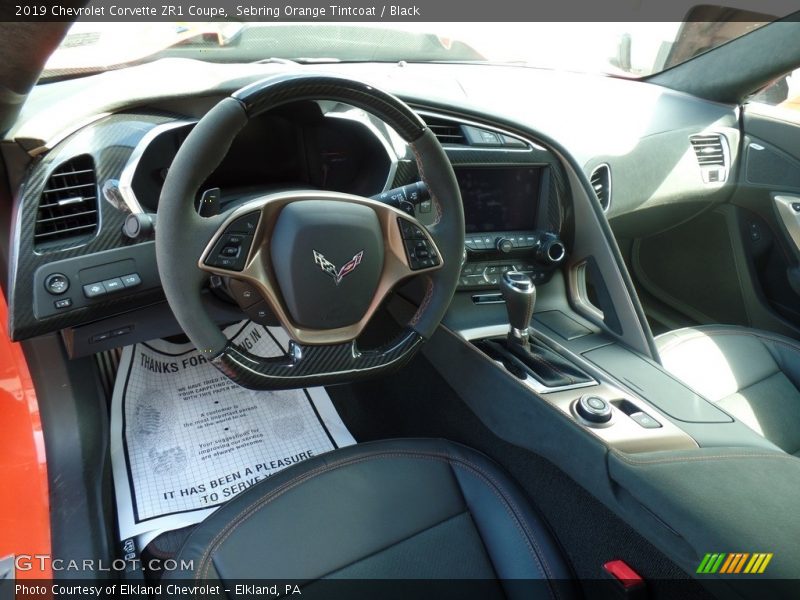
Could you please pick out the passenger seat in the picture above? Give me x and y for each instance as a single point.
(753, 375)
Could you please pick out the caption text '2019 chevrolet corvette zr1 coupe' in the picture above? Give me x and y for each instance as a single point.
(401, 310)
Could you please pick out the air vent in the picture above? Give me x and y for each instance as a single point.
(447, 132)
(712, 155)
(68, 206)
(601, 184)
(709, 149)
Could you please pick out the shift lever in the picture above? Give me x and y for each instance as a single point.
(519, 292)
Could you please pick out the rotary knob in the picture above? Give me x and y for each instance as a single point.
(594, 409)
(504, 245)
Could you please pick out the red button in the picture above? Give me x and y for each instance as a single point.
(620, 570)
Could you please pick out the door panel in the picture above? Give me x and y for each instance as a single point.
(738, 263)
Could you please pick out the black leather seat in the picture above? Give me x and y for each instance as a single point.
(754, 375)
(391, 510)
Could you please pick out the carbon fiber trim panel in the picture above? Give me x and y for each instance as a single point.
(315, 365)
(405, 173)
(293, 87)
(110, 142)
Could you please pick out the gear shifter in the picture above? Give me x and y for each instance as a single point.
(519, 292)
(522, 355)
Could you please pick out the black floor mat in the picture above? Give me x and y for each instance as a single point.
(417, 402)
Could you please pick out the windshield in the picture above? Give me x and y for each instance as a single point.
(624, 49)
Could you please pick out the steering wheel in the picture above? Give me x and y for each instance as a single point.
(322, 262)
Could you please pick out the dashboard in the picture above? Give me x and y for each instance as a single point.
(78, 266)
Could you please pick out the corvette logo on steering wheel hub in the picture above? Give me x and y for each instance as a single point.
(337, 274)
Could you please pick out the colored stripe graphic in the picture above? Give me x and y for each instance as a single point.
(731, 563)
(711, 562)
(703, 564)
(764, 564)
(737, 563)
(715, 566)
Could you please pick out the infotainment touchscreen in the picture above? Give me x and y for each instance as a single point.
(499, 198)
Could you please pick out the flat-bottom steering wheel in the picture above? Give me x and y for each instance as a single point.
(322, 262)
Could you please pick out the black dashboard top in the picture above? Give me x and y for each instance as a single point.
(131, 123)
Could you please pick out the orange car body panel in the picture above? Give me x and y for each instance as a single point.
(24, 499)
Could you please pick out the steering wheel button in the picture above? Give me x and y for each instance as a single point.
(244, 293)
(259, 313)
(409, 231)
(246, 224)
(230, 252)
(227, 263)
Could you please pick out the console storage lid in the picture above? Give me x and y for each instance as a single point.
(656, 385)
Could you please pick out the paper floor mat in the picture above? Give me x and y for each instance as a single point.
(184, 439)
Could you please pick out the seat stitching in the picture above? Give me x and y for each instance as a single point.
(249, 510)
(521, 526)
(397, 543)
(749, 385)
(241, 517)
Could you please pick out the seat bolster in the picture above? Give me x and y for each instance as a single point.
(717, 360)
(516, 539)
(786, 354)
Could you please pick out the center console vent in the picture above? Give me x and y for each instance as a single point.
(601, 185)
(68, 205)
(454, 132)
(447, 132)
(711, 151)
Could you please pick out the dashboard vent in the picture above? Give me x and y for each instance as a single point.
(601, 184)
(447, 132)
(708, 149)
(68, 206)
(712, 155)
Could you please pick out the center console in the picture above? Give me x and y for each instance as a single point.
(571, 384)
(506, 224)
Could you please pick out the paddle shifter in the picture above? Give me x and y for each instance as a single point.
(520, 296)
